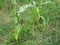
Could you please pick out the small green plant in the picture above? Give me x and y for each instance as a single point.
(40, 16)
(17, 21)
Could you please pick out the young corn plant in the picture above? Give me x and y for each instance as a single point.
(40, 16)
(17, 21)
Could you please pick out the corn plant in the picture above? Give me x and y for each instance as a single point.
(40, 16)
(16, 18)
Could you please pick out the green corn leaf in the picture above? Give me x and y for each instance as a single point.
(38, 12)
